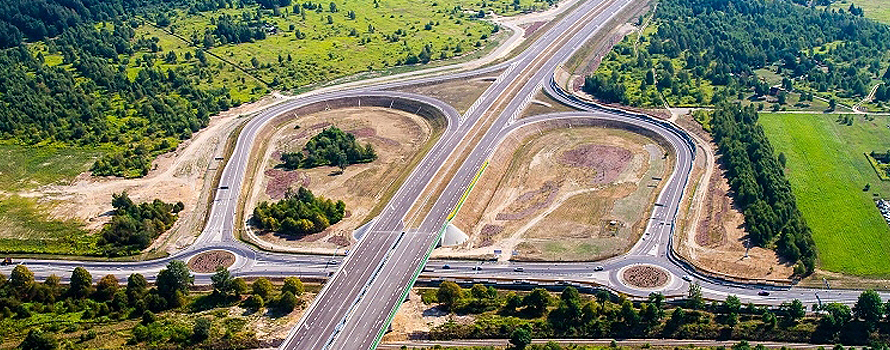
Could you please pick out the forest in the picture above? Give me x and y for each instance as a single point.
(332, 147)
(704, 52)
(499, 315)
(298, 213)
(134, 226)
(757, 178)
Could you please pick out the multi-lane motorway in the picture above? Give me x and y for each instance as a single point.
(366, 288)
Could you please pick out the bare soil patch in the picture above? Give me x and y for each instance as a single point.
(561, 195)
(459, 93)
(396, 136)
(645, 276)
(208, 262)
(717, 241)
(606, 161)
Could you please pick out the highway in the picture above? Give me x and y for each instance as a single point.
(355, 306)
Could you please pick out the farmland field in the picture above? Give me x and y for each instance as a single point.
(828, 172)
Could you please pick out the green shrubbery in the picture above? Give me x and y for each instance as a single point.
(134, 226)
(332, 147)
(41, 310)
(574, 316)
(299, 213)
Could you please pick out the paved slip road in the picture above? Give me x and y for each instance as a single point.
(355, 306)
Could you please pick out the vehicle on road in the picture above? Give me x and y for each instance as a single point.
(477, 268)
(6, 261)
(519, 269)
(687, 278)
(598, 268)
(446, 267)
(763, 293)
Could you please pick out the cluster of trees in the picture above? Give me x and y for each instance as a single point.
(260, 294)
(229, 31)
(571, 315)
(298, 213)
(330, 147)
(761, 189)
(21, 297)
(134, 226)
(722, 43)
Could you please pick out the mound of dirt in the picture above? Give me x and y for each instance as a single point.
(209, 261)
(608, 161)
(645, 276)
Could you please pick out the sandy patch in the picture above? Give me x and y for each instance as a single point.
(557, 195)
(397, 138)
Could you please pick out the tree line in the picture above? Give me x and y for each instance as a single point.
(298, 213)
(332, 147)
(571, 315)
(134, 226)
(758, 180)
(21, 298)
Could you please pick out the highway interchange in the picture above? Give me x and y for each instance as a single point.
(357, 303)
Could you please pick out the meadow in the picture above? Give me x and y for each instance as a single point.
(829, 172)
(878, 10)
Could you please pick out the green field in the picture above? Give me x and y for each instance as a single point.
(24, 223)
(828, 172)
(878, 10)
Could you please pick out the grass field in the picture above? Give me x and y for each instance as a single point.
(828, 172)
(878, 10)
(24, 223)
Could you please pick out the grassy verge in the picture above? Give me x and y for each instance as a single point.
(828, 174)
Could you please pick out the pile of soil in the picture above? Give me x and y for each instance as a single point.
(209, 261)
(645, 276)
(607, 161)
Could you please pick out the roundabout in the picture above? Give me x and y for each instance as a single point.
(645, 276)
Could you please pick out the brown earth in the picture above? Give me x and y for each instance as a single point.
(645, 276)
(208, 262)
(460, 94)
(560, 194)
(396, 136)
(712, 234)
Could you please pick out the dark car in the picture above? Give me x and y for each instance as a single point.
(763, 293)
(446, 267)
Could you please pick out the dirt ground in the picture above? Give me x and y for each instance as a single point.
(713, 235)
(208, 262)
(645, 276)
(414, 319)
(396, 136)
(460, 94)
(561, 195)
(185, 174)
